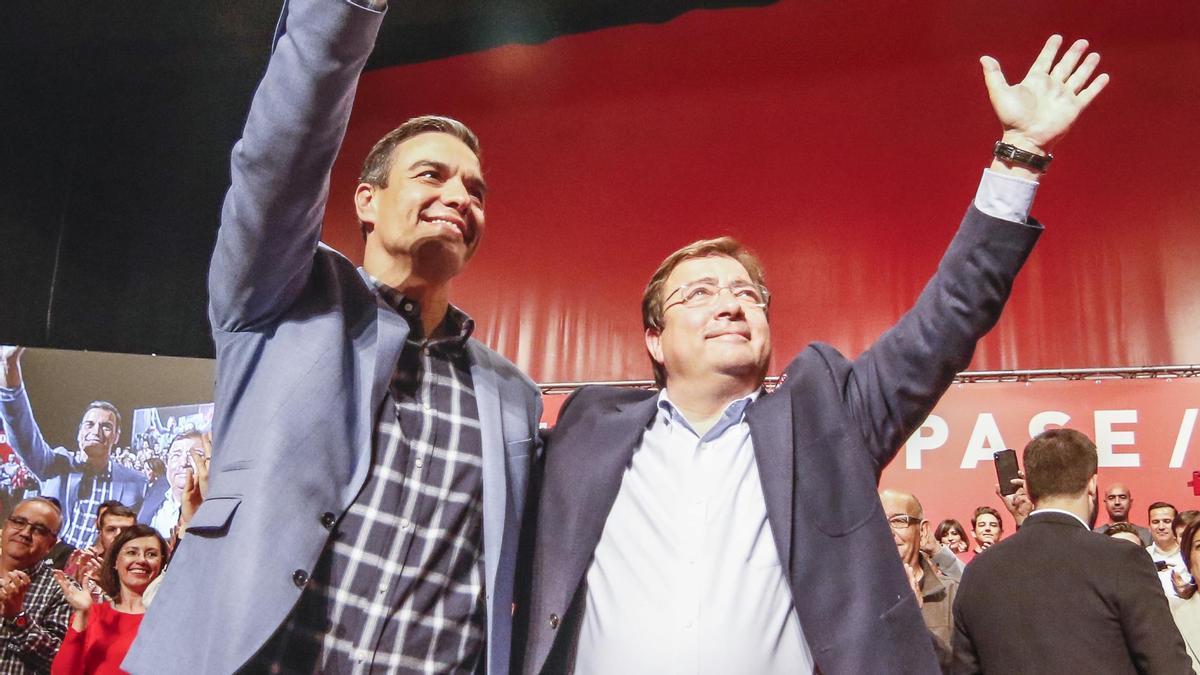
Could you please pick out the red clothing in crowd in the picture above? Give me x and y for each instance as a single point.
(101, 648)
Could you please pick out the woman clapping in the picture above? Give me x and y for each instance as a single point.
(100, 633)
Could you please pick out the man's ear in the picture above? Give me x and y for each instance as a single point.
(654, 345)
(1093, 486)
(364, 203)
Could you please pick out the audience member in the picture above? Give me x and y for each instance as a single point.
(101, 632)
(951, 534)
(80, 486)
(986, 528)
(1122, 531)
(1118, 502)
(1187, 612)
(161, 508)
(83, 567)
(934, 591)
(1056, 597)
(33, 608)
(1165, 549)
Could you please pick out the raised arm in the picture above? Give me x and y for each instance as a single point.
(899, 379)
(16, 415)
(271, 220)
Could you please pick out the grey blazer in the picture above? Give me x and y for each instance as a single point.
(304, 355)
(821, 440)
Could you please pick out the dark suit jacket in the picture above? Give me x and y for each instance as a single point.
(1056, 598)
(821, 440)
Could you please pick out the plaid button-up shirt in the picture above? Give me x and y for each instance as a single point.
(32, 649)
(399, 587)
(95, 488)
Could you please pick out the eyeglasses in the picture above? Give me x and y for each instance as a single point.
(704, 293)
(901, 521)
(20, 523)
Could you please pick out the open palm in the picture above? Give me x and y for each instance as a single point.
(1043, 106)
(78, 598)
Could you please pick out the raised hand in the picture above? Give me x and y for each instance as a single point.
(1037, 111)
(1018, 503)
(78, 598)
(12, 593)
(10, 365)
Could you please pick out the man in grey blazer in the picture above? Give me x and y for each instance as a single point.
(712, 527)
(370, 459)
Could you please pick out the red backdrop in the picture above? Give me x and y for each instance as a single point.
(842, 141)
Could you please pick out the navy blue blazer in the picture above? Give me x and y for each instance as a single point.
(305, 351)
(821, 440)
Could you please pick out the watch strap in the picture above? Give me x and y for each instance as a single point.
(1011, 153)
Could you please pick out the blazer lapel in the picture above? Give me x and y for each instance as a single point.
(770, 420)
(584, 470)
(491, 426)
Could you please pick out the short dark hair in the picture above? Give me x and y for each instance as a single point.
(1058, 462)
(987, 509)
(378, 164)
(945, 526)
(118, 510)
(105, 405)
(1162, 505)
(652, 297)
(1186, 543)
(109, 581)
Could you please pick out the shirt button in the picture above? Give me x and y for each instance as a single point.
(328, 519)
(300, 577)
(405, 524)
(553, 621)
(420, 462)
(408, 306)
(427, 407)
(361, 655)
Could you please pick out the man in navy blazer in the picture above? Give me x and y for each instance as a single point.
(715, 527)
(370, 459)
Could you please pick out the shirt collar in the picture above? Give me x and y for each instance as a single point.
(734, 413)
(1048, 510)
(455, 330)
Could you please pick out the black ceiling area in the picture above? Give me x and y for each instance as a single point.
(117, 123)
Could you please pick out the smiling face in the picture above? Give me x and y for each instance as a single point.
(138, 562)
(29, 533)
(724, 340)
(429, 218)
(98, 432)
(954, 539)
(179, 459)
(987, 529)
(907, 536)
(1160, 528)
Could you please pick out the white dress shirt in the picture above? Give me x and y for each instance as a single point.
(686, 577)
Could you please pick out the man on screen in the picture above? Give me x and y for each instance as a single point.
(80, 486)
(370, 458)
(713, 526)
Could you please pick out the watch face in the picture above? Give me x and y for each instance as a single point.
(20, 620)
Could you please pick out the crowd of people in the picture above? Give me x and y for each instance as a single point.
(936, 559)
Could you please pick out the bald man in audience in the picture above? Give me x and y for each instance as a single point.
(33, 610)
(1118, 502)
(934, 590)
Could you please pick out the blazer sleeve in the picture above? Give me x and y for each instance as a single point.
(25, 437)
(895, 383)
(271, 219)
(1154, 642)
